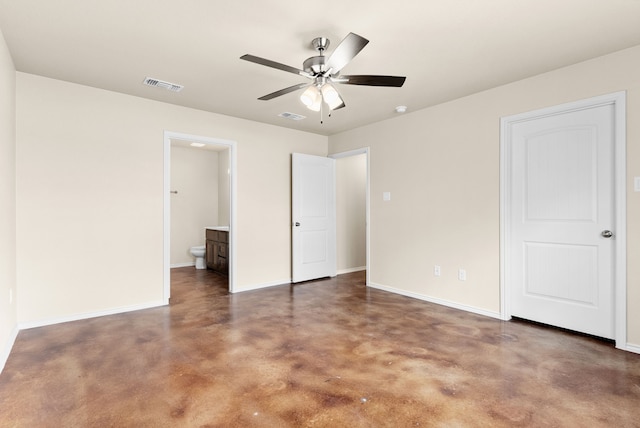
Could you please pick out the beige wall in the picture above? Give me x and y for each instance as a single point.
(8, 317)
(441, 166)
(194, 175)
(89, 197)
(351, 187)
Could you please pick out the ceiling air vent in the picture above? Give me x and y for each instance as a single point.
(292, 116)
(150, 81)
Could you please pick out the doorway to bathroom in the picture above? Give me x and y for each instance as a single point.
(352, 211)
(199, 192)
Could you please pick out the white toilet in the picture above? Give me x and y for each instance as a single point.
(198, 252)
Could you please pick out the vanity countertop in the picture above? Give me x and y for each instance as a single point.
(220, 228)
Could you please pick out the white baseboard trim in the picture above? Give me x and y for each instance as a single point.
(288, 281)
(630, 348)
(349, 270)
(437, 301)
(179, 265)
(6, 351)
(77, 317)
(252, 287)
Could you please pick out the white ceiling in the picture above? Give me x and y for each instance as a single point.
(446, 48)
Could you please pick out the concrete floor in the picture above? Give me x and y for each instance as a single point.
(329, 353)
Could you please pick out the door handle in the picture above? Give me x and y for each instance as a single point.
(606, 234)
(297, 224)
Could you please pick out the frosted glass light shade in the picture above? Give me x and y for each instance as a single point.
(310, 96)
(316, 104)
(331, 96)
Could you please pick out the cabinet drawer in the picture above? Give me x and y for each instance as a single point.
(217, 235)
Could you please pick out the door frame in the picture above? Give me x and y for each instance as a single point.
(355, 152)
(166, 202)
(618, 101)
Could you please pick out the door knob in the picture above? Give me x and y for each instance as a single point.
(606, 234)
(297, 224)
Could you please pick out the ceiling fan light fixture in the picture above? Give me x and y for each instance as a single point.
(331, 96)
(317, 103)
(310, 96)
(325, 72)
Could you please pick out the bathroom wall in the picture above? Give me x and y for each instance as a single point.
(8, 291)
(194, 175)
(351, 186)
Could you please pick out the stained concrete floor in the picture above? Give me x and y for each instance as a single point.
(330, 353)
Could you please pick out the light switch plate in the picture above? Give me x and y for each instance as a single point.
(636, 184)
(386, 196)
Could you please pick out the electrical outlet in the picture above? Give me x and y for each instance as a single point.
(462, 274)
(436, 270)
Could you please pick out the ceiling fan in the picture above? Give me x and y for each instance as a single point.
(324, 72)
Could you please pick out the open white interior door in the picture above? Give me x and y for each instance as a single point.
(313, 217)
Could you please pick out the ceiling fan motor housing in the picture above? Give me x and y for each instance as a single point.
(320, 44)
(314, 65)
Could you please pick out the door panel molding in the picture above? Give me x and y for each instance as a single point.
(618, 101)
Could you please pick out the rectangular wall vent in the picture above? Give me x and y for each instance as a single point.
(292, 116)
(150, 81)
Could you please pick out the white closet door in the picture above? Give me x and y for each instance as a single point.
(561, 216)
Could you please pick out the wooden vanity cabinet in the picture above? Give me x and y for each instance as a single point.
(217, 250)
(209, 253)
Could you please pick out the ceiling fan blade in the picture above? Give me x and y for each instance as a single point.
(348, 48)
(370, 80)
(273, 64)
(343, 105)
(284, 91)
